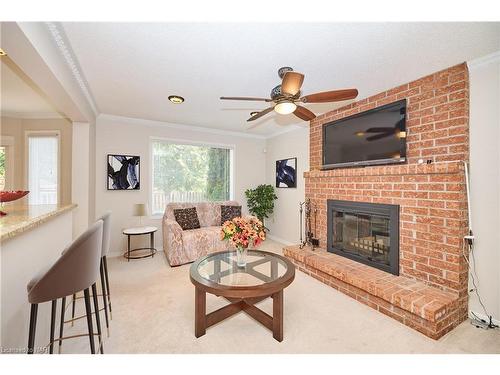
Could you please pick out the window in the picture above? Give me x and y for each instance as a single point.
(43, 168)
(3, 158)
(7, 162)
(189, 173)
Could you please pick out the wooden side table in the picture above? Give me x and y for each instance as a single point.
(139, 231)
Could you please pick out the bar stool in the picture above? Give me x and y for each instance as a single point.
(106, 244)
(103, 269)
(77, 269)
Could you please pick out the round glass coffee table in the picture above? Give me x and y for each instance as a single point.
(265, 275)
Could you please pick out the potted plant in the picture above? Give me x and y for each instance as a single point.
(260, 201)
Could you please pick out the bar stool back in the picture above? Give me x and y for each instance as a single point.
(77, 269)
(103, 270)
(106, 243)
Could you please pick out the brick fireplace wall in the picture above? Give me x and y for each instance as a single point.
(432, 197)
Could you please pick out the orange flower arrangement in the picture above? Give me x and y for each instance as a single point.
(242, 232)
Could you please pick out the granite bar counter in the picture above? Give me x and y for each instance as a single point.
(31, 239)
(20, 219)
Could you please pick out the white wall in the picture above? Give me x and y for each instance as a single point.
(485, 179)
(80, 177)
(284, 223)
(22, 258)
(119, 135)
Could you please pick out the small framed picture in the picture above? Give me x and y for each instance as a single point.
(286, 173)
(124, 172)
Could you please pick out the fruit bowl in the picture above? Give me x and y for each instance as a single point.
(9, 196)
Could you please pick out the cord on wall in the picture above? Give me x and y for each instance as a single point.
(469, 244)
(475, 320)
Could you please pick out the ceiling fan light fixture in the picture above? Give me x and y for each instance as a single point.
(2, 52)
(176, 99)
(285, 107)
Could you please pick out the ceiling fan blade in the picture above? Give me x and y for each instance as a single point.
(379, 130)
(292, 81)
(245, 98)
(330, 96)
(379, 136)
(260, 114)
(304, 114)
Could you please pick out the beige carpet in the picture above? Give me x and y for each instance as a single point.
(153, 312)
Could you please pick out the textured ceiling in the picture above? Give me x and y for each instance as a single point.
(132, 68)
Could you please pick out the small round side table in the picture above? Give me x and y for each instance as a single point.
(139, 231)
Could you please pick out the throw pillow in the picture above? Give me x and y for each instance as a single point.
(187, 218)
(229, 213)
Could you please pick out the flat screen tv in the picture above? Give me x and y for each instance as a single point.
(374, 137)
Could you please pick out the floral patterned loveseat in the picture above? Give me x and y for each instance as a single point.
(185, 246)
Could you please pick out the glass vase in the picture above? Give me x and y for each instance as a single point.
(241, 257)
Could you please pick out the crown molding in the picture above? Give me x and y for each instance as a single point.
(32, 115)
(484, 60)
(154, 123)
(59, 36)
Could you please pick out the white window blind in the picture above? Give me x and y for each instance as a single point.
(43, 170)
(189, 173)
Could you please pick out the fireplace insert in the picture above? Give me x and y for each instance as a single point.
(365, 232)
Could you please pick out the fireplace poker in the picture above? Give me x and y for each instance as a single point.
(309, 234)
(314, 240)
(302, 242)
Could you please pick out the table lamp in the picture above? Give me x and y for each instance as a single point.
(140, 209)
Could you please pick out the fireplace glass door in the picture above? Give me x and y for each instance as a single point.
(363, 235)
(365, 232)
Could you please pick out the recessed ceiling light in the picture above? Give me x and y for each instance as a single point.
(2, 52)
(253, 113)
(176, 99)
(359, 134)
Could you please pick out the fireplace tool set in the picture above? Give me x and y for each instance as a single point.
(309, 240)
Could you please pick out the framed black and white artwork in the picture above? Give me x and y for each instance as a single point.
(124, 172)
(286, 173)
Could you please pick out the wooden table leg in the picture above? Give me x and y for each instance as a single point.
(200, 307)
(278, 315)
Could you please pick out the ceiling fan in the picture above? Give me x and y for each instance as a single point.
(286, 96)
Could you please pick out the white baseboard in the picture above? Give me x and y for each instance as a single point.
(112, 254)
(280, 240)
(482, 316)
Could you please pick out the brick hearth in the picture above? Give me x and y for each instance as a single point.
(428, 310)
(432, 199)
